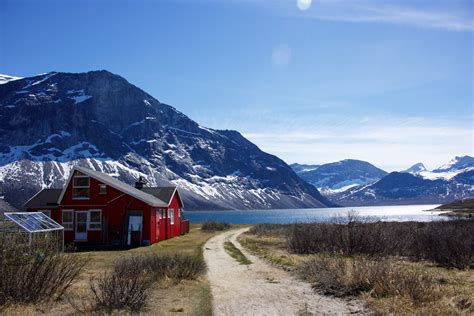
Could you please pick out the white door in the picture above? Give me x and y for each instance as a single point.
(135, 226)
(81, 225)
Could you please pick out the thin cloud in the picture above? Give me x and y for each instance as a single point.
(371, 11)
(392, 14)
(391, 143)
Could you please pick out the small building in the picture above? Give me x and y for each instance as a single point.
(95, 208)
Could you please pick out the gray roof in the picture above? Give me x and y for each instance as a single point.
(46, 198)
(119, 185)
(163, 193)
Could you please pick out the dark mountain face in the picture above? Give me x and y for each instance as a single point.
(337, 175)
(51, 122)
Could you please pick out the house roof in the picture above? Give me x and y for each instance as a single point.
(117, 184)
(163, 193)
(46, 198)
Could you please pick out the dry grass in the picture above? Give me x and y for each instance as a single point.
(388, 286)
(164, 297)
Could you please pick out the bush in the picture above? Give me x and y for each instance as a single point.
(269, 229)
(128, 285)
(447, 243)
(341, 276)
(214, 226)
(28, 277)
(123, 287)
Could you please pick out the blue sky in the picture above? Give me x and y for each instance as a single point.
(390, 82)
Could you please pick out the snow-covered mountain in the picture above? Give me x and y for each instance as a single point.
(51, 122)
(447, 171)
(452, 181)
(336, 177)
(416, 168)
(6, 78)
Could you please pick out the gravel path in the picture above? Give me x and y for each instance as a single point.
(259, 288)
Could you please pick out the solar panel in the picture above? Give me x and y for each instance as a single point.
(33, 222)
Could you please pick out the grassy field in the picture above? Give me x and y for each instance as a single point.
(167, 297)
(426, 288)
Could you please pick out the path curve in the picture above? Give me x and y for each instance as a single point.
(259, 288)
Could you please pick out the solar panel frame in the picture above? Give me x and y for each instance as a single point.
(33, 222)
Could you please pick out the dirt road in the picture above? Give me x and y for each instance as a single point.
(259, 288)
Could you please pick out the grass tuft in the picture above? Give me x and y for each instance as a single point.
(235, 253)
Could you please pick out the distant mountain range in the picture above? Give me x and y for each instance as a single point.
(353, 182)
(53, 121)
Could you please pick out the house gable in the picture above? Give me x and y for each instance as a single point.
(114, 183)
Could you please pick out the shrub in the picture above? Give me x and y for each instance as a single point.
(123, 287)
(128, 285)
(447, 243)
(269, 230)
(28, 277)
(214, 226)
(341, 276)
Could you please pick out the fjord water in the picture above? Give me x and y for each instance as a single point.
(399, 213)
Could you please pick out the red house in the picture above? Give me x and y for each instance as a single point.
(95, 208)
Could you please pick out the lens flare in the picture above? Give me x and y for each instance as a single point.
(303, 4)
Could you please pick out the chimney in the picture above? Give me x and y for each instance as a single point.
(140, 183)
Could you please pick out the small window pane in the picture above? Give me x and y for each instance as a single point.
(102, 189)
(95, 216)
(67, 219)
(81, 181)
(95, 220)
(80, 193)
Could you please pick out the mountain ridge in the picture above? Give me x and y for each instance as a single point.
(99, 120)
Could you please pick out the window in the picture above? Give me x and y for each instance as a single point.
(46, 212)
(80, 186)
(95, 219)
(164, 213)
(102, 189)
(68, 219)
(171, 215)
(179, 212)
(158, 214)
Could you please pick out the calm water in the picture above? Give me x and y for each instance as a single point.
(386, 213)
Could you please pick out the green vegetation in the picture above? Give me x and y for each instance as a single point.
(235, 253)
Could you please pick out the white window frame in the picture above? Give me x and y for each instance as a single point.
(171, 215)
(101, 185)
(89, 222)
(66, 224)
(81, 186)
